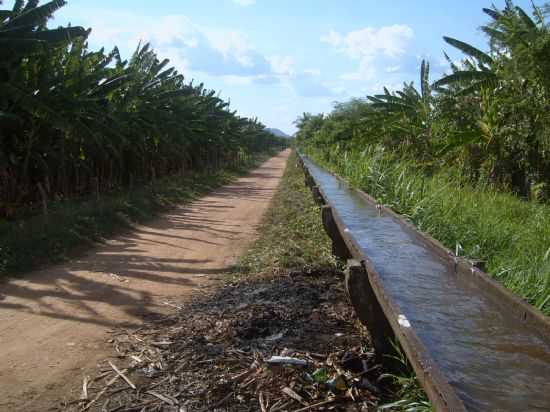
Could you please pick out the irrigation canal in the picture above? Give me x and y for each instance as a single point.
(468, 335)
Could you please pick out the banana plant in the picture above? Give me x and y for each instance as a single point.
(407, 113)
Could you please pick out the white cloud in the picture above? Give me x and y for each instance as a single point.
(368, 45)
(366, 71)
(106, 34)
(245, 2)
(168, 28)
(228, 42)
(393, 69)
(368, 42)
(378, 87)
(282, 64)
(192, 48)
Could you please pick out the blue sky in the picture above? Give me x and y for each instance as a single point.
(275, 59)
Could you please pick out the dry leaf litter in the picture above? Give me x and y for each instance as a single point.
(277, 343)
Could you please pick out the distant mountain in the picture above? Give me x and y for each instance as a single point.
(278, 133)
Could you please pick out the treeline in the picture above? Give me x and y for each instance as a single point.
(75, 121)
(488, 118)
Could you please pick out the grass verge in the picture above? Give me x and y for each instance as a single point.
(292, 234)
(73, 226)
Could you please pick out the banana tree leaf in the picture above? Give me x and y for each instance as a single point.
(4, 14)
(493, 33)
(475, 87)
(59, 35)
(9, 121)
(469, 50)
(36, 16)
(458, 140)
(110, 85)
(15, 38)
(465, 76)
(529, 23)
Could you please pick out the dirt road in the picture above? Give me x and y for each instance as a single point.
(54, 323)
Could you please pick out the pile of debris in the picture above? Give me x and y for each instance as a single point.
(286, 343)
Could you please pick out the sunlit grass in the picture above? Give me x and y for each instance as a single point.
(408, 395)
(292, 235)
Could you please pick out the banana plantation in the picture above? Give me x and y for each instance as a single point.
(75, 121)
(488, 118)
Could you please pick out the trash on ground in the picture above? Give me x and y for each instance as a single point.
(286, 360)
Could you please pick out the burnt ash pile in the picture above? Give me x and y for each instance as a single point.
(286, 343)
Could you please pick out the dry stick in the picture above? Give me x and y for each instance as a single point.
(84, 395)
(291, 394)
(137, 359)
(105, 405)
(280, 407)
(163, 398)
(140, 405)
(244, 385)
(100, 394)
(275, 405)
(242, 375)
(261, 400)
(159, 383)
(128, 381)
(220, 403)
(310, 407)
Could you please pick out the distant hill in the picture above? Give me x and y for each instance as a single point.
(278, 133)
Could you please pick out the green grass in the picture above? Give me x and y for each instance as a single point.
(292, 234)
(74, 226)
(406, 394)
(511, 236)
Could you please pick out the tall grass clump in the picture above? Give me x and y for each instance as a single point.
(509, 235)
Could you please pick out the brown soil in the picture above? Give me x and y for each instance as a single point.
(54, 324)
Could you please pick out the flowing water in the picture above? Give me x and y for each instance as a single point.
(494, 362)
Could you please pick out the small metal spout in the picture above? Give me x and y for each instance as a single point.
(455, 260)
